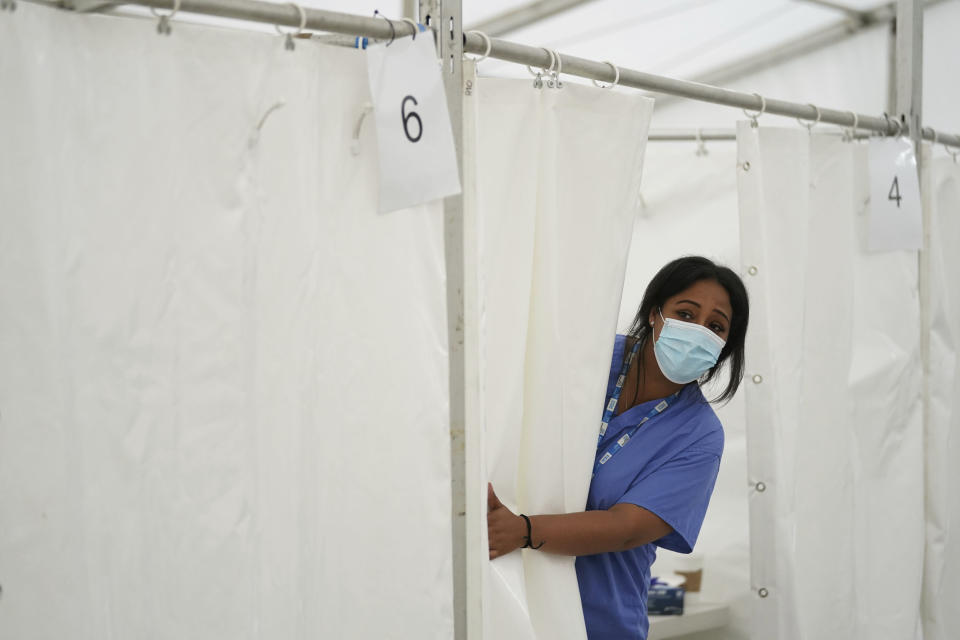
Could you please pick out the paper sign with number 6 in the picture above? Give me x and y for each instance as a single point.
(415, 148)
(895, 220)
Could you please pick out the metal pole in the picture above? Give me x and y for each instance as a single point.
(467, 514)
(909, 84)
(910, 65)
(713, 135)
(318, 20)
(539, 57)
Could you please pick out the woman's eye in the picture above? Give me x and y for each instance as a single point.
(717, 328)
(685, 314)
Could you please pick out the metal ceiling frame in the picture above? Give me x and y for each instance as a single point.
(524, 15)
(834, 33)
(533, 12)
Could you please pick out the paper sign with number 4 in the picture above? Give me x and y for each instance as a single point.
(418, 162)
(895, 220)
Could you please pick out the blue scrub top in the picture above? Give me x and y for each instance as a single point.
(669, 467)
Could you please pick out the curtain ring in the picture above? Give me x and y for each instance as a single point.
(556, 83)
(413, 24)
(701, 145)
(616, 77)
(290, 35)
(894, 121)
(753, 116)
(951, 152)
(163, 27)
(808, 123)
(486, 41)
(393, 30)
(538, 75)
(850, 133)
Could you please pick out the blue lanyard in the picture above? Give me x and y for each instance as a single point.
(612, 406)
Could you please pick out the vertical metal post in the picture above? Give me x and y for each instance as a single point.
(909, 80)
(892, 68)
(444, 18)
(909, 83)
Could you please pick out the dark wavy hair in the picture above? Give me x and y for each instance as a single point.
(679, 275)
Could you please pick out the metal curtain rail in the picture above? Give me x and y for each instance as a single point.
(571, 65)
(332, 21)
(720, 135)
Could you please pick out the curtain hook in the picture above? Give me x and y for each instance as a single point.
(953, 154)
(701, 145)
(810, 124)
(290, 35)
(556, 74)
(163, 27)
(850, 134)
(393, 30)
(486, 42)
(416, 28)
(894, 121)
(616, 77)
(538, 75)
(753, 116)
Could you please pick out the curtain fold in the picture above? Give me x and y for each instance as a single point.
(834, 407)
(941, 585)
(557, 185)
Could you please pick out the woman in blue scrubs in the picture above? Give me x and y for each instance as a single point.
(658, 450)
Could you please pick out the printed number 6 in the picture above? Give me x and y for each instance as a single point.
(407, 117)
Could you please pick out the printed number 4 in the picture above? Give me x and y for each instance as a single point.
(407, 117)
(895, 192)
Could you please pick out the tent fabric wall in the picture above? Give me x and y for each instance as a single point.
(834, 412)
(557, 178)
(676, 220)
(941, 587)
(223, 375)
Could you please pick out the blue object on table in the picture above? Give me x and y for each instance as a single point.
(664, 600)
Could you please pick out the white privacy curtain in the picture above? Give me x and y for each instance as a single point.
(553, 188)
(834, 411)
(941, 586)
(223, 375)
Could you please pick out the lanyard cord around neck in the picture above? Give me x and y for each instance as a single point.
(612, 406)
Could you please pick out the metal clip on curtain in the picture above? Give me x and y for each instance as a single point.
(753, 116)
(163, 26)
(810, 124)
(538, 75)
(290, 35)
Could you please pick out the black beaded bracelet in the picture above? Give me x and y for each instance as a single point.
(529, 541)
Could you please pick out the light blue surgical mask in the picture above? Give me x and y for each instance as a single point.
(685, 350)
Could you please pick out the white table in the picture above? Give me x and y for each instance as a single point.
(696, 617)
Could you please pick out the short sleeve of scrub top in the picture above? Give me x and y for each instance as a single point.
(669, 467)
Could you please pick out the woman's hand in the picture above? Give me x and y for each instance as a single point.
(505, 530)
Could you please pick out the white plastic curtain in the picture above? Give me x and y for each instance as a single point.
(941, 585)
(555, 189)
(834, 407)
(223, 375)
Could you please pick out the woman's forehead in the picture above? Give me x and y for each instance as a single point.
(709, 294)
